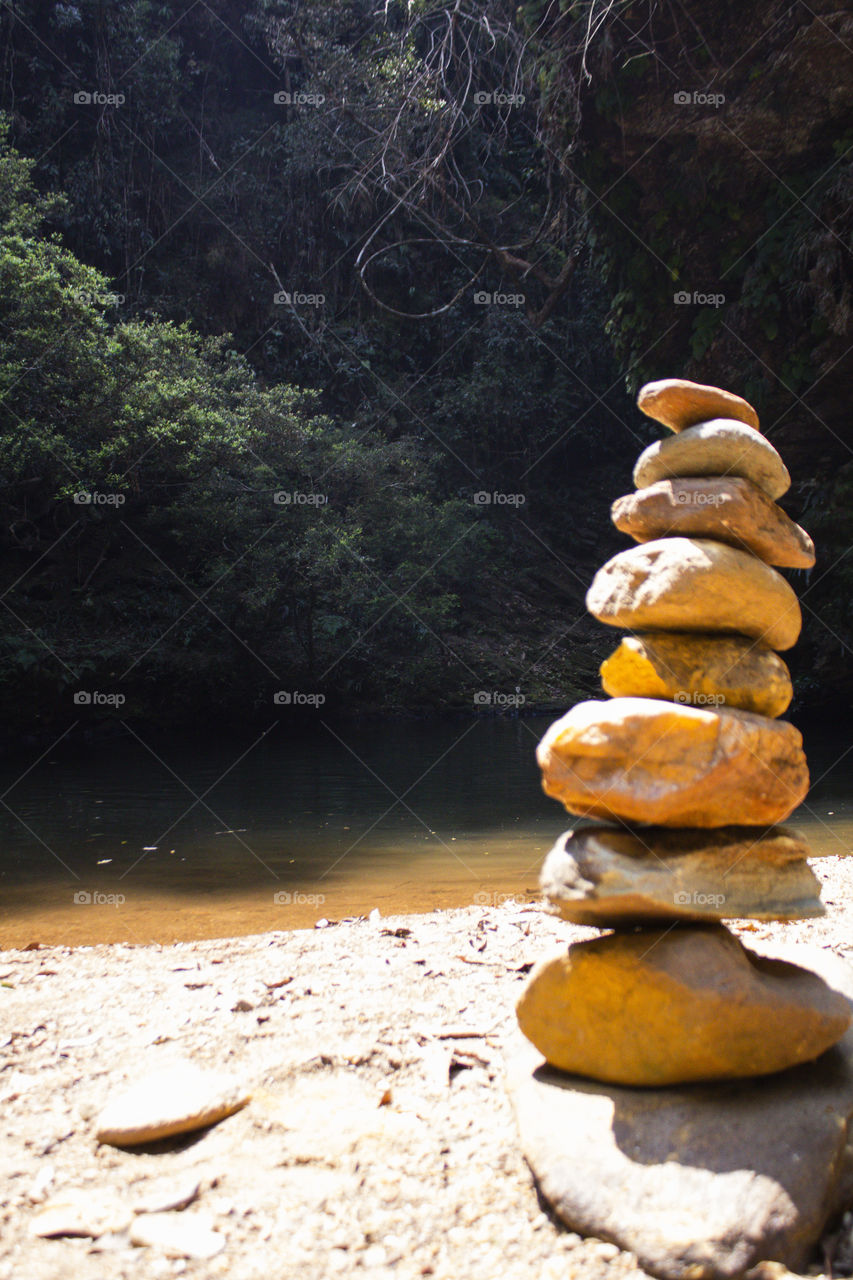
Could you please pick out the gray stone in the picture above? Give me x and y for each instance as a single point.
(613, 877)
(700, 1182)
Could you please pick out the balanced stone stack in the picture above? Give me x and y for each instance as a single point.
(691, 771)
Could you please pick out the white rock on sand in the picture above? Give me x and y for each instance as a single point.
(175, 1099)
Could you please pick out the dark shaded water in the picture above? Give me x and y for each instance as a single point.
(148, 839)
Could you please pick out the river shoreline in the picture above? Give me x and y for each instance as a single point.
(153, 843)
(379, 1136)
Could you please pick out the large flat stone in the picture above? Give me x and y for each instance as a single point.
(701, 1182)
(613, 876)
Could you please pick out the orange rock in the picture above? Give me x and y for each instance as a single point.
(641, 760)
(678, 403)
(727, 508)
(664, 1008)
(694, 584)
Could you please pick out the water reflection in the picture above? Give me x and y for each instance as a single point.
(198, 838)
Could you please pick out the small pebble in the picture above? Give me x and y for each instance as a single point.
(181, 1235)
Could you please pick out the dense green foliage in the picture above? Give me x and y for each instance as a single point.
(263, 273)
(200, 541)
(199, 198)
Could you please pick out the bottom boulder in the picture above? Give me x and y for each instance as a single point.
(670, 1006)
(700, 1182)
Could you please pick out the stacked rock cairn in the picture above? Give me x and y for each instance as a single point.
(687, 770)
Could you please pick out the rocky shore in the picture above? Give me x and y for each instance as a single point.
(379, 1138)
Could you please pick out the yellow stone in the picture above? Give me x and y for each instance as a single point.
(694, 584)
(721, 447)
(699, 670)
(727, 508)
(684, 1004)
(643, 760)
(678, 403)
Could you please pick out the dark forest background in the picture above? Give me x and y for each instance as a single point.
(320, 326)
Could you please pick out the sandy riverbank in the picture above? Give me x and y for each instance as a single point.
(379, 1139)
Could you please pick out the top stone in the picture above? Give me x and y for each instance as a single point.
(679, 404)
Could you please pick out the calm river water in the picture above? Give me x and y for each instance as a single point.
(157, 840)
